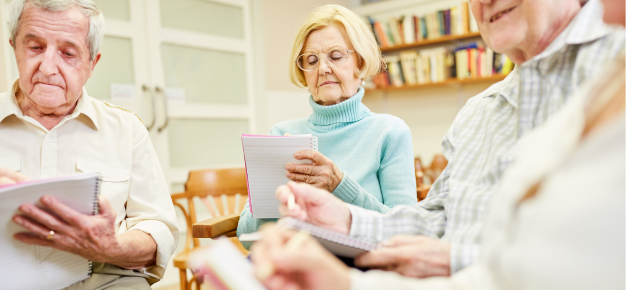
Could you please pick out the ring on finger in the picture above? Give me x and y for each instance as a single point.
(50, 236)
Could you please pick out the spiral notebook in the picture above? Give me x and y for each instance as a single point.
(38, 267)
(266, 158)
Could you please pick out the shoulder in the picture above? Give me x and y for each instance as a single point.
(110, 111)
(386, 120)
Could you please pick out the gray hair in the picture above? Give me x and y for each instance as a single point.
(87, 7)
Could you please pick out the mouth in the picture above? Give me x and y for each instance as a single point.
(498, 15)
(327, 83)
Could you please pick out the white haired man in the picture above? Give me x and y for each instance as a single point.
(556, 46)
(52, 127)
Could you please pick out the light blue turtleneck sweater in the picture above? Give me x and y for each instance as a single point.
(374, 152)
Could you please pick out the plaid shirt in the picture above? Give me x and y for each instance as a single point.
(481, 141)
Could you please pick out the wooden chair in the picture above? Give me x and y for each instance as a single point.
(224, 193)
(436, 167)
(422, 189)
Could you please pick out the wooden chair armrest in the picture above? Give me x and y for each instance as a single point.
(217, 226)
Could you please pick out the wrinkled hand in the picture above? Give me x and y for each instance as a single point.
(280, 264)
(11, 177)
(323, 173)
(412, 256)
(90, 236)
(315, 206)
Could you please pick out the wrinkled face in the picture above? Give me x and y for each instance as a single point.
(52, 54)
(331, 85)
(529, 25)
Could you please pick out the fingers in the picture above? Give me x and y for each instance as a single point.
(34, 239)
(69, 215)
(35, 218)
(308, 169)
(381, 258)
(300, 177)
(286, 134)
(308, 193)
(106, 209)
(400, 240)
(6, 181)
(315, 156)
(7, 174)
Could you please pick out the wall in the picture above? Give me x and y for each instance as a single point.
(281, 100)
(4, 73)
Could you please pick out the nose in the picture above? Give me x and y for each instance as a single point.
(48, 65)
(324, 68)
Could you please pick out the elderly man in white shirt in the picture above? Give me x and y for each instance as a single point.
(51, 127)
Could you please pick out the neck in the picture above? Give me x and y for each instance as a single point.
(533, 47)
(48, 117)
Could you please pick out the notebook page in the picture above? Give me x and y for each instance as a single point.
(52, 268)
(336, 243)
(266, 158)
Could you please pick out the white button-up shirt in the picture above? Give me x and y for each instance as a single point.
(97, 137)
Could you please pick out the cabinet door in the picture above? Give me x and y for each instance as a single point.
(201, 60)
(122, 76)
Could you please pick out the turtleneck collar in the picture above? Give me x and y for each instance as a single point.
(348, 111)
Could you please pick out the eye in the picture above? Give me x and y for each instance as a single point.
(311, 59)
(335, 55)
(68, 54)
(34, 47)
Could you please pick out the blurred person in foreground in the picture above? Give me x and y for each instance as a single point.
(51, 127)
(364, 158)
(557, 223)
(556, 45)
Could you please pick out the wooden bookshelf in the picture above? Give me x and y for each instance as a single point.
(442, 39)
(449, 82)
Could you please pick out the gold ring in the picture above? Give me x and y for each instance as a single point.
(51, 235)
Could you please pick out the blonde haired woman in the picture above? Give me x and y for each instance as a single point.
(364, 158)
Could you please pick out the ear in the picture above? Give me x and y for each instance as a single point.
(95, 61)
(11, 43)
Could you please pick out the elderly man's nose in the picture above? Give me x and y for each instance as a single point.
(48, 65)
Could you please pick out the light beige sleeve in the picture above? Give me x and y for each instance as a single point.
(473, 277)
(149, 206)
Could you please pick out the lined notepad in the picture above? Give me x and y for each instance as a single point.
(336, 243)
(36, 267)
(266, 158)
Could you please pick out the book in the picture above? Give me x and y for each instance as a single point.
(39, 267)
(337, 243)
(265, 158)
(224, 267)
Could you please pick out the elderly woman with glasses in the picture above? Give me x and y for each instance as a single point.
(364, 158)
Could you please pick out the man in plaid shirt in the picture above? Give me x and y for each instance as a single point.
(556, 45)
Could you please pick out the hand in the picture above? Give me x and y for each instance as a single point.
(323, 173)
(10, 177)
(282, 262)
(90, 236)
(315, 206)
(412, 256)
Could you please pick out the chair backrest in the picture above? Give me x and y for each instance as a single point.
(222, 191)
(436, 167)
(419, 172)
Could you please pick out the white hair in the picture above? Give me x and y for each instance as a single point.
(87, 7)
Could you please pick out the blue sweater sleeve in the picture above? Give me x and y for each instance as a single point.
(396, 176)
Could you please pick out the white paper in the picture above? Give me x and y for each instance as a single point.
(36, 267)
(266, 158)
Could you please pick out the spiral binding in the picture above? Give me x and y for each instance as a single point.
(314, 143)
(96, 210)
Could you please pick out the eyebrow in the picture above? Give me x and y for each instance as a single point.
(33, 36)
(309, 50)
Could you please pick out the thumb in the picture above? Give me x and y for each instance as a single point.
(287, 134)
(105, 207)
(308, 193)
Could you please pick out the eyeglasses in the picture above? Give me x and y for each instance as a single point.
(335, 57)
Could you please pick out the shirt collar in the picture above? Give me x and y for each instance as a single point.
(85, 106)
(505, 88)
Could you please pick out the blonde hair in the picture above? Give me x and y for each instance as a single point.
(358, 32)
